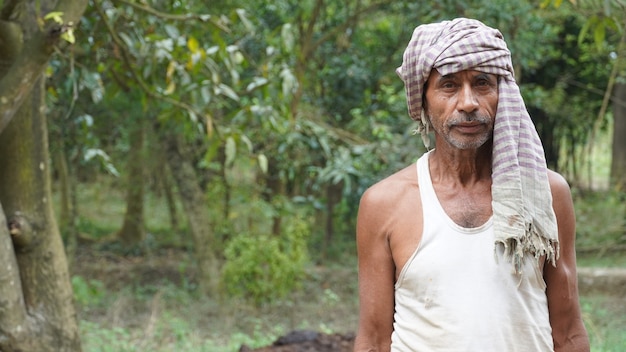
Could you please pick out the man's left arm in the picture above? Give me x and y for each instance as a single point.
(568, 331)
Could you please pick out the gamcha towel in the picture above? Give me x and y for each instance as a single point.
(523, 218)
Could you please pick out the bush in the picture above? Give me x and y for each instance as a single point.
(600, 219)
(263, 268)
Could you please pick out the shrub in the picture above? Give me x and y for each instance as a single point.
(264, 267)
(600, 219)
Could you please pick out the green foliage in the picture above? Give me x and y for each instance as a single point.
(599, 25)
(264, 268)
(600, 220)
(171, 334)
(601, 318)
(88, 292)
(100, 339)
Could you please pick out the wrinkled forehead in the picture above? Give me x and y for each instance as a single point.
(471, 73)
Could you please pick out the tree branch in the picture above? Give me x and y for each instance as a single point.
(346, 24)
(127, 60)
(621, 52)
(20, 230)
(171, 17)
(24, 71)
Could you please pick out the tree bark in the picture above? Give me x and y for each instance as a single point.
(133, 228)
(618, 160)
(546, 129)
(195, 205)
(37, 298)
(274, 188)
(36, 301)
(67, 202)
(169, 196)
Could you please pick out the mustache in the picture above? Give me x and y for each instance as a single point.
(465, 117)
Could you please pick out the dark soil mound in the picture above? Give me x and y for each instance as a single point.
(308, 341)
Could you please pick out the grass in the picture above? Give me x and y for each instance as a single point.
(605, 319)
(594, 260)
(167, 317)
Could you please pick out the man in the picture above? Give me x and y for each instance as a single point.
(462, 252)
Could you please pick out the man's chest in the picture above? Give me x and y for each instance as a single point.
(467, 208)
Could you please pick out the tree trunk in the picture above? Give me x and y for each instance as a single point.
(36, 301)
(169, 196)
(618, 160)
(36, 296)
(195, 205)
(333, 197)
(133, 229)
(67, 201)
(274, 187)
(546, 129)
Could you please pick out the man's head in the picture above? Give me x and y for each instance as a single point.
(461, 107)
(446, 48)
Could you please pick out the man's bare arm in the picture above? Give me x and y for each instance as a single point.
(568, 331)
(376, 279)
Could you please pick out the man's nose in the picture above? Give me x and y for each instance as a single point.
(467, 99)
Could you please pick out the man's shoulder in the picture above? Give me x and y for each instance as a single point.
(392, 187)
(558, 183)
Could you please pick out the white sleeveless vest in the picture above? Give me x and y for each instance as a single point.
(455, 294)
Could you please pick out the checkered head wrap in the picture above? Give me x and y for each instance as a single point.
(523, 217)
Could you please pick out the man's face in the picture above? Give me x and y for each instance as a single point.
(462, 107)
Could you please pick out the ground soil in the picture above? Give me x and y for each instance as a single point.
(308, 341)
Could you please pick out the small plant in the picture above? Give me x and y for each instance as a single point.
(87, 292)
(263, 267)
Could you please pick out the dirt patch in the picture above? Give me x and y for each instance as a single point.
(118, 270)
(308, 341)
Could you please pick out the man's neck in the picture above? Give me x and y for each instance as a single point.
(461, 166)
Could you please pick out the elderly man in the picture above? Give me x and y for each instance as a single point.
(472, 247)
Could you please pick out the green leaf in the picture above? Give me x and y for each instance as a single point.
(593, 20)
(599, 34)
(68, 36)
(227, 91)
(256, 83)
(244, 19)
(172, 31)
(263, 163)
(247, 142)
(56, 16)
(230, 151)
(193, 45)
(288, 37)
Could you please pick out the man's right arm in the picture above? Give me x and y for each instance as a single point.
(376, 277)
